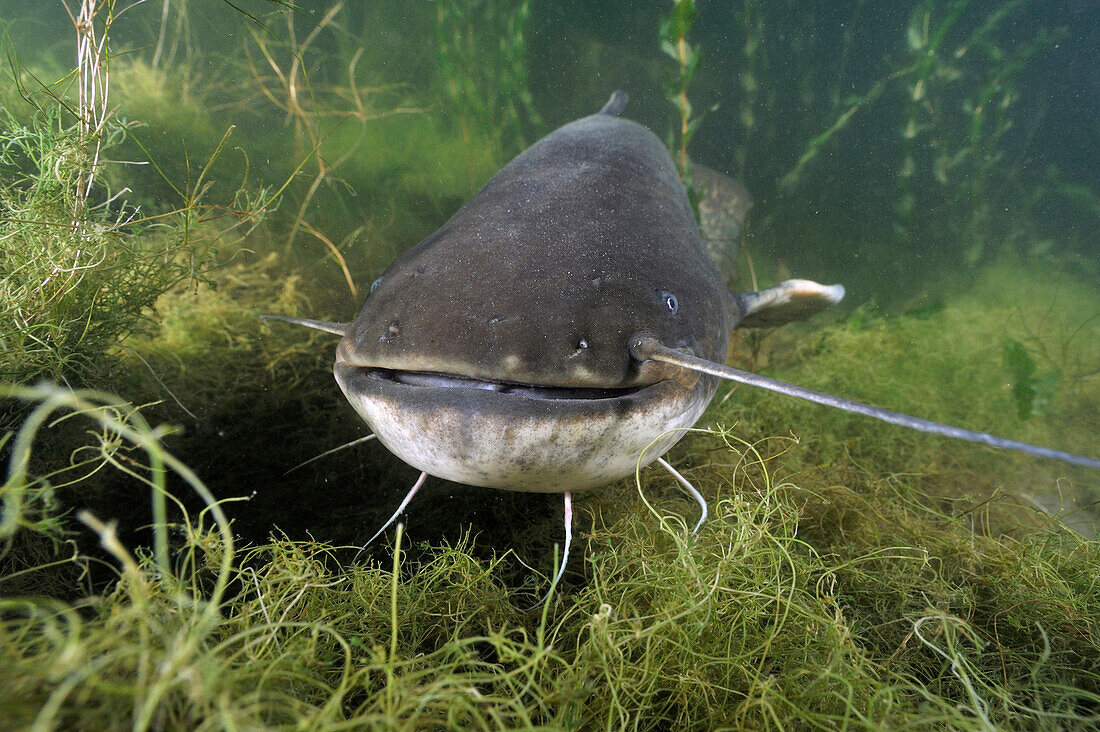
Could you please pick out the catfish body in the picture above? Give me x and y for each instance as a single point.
(497, 351)
(567, 325)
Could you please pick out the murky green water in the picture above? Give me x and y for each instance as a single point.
(939, 158)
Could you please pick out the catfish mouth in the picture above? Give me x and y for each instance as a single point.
(436, 380)
(517, 436)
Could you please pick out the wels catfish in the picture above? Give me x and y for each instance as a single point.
(564, 320)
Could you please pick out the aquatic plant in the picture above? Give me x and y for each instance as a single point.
(980, 79)
(79, 277)
(673, 35)
(957, 85)
(80, 267)
(316, 110)
(1032, 391)
(841, 599)
(482, 54)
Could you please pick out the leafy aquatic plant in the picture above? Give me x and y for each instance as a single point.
(673, 35)
(1031, 390)
(80, 268)
(957, 85)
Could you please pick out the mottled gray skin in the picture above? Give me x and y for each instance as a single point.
(577, 239)
(497, 351)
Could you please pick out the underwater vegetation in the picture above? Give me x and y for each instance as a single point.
(168, 561)
(82, 266)
(486, 92)
(831, 595)
(1031, 390)
(674, 43)
(940, 116)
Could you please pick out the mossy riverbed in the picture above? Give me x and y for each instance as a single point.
(855, 575)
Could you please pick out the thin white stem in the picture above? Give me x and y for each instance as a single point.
(326, 453)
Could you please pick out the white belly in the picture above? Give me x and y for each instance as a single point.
(518, 443)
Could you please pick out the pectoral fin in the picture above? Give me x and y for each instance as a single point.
(787, 301)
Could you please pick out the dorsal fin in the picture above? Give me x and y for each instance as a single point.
(616, 104)
(723, 206)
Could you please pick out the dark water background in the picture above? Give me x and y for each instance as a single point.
(899, 220)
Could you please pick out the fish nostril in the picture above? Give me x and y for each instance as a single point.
(579, 347)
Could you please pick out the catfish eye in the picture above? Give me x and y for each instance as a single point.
(374, 285)
(670, 302)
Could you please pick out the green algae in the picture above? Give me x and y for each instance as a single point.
(74, 279)
(802, 602)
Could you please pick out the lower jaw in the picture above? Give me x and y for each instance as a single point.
(488, 437)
